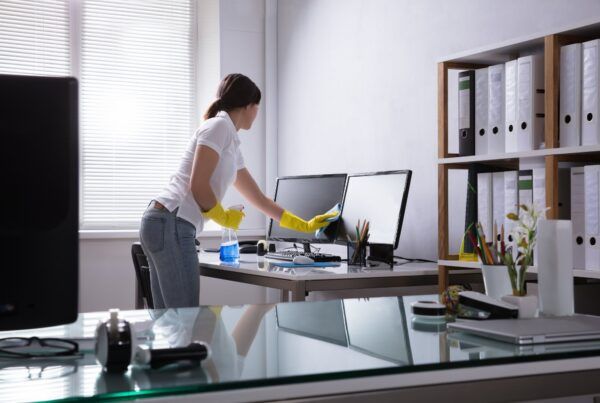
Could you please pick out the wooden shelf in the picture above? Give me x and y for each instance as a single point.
(592, 274)
(503, 51)
(549, 43)
(563, 153)
(459, 263)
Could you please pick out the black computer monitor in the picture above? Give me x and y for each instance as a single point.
(39, 163)
(380, 198)
(307, 196)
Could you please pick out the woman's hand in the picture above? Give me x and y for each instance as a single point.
(229, 218)
(291, 221)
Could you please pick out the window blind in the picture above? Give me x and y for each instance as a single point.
(34, 37)
(137, 104)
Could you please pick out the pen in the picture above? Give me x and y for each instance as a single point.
(474, 243)
(484, 245)
(502, 245)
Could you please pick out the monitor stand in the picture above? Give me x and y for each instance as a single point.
(381, 253)
(306, 246)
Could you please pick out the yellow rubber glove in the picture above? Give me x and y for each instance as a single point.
(291, 221)
(229, 218)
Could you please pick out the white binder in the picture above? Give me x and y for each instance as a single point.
(592, 217)
(578, 216)
(511, 203)
(481, 111)
(484, 203)
(590, 109)
(496, 109)
(570, 95)
(539, 187)
(510, 108)
(498, 200)
(530, 102)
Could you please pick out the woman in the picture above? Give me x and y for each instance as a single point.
(211, 163)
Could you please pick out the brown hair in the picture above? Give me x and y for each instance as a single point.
(235, 91)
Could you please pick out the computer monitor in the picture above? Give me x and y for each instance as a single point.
(307, 196)
(384, 335)
(39, 163)
(380, 198)
(322, 320)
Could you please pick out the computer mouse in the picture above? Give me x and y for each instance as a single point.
(248, 248)
(302, 260)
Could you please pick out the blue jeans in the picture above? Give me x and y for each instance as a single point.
(169, 244)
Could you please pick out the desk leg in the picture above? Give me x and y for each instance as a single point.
(299, 291)
(285, 295)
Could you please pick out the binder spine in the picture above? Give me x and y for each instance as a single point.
(510, 77)
(482, 132)
(578, 216)
(530, 103)
(466, 113)
(570, 95)
(496, 118)
(592, 217)
(590, 130)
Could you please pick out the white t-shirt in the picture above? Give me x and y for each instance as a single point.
(219, 134)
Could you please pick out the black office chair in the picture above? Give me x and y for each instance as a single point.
(143, 292)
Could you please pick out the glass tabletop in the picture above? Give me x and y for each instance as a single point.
(262, 345)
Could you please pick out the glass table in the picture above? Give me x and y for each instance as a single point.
(295, 350)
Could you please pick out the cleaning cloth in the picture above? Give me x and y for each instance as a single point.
(335, 209)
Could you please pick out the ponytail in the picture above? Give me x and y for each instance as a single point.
(212, 110)
(235, 91)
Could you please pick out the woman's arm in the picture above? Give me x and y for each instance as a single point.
(246, 185)
(205, 162)
(247, 326)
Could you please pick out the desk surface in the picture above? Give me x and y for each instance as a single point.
(259, 266)
(296, 347)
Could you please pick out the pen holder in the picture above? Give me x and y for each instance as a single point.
(357, 254)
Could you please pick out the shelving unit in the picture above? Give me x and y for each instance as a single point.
(550, 44)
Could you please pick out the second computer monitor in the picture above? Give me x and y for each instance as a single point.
(380, 198)
(307, 196)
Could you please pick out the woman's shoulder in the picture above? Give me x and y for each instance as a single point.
(213, 126)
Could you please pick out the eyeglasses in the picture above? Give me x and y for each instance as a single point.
(35, 347)
(38, 369)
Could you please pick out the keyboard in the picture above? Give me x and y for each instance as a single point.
(291, 254)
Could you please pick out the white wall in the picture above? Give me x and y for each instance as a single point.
(357, 86)
(107, 277)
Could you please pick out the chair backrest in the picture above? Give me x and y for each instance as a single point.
(142, 274)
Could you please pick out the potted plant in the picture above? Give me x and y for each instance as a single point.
(524, 234)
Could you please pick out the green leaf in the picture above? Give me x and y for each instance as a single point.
(524, 207)
(512, 216)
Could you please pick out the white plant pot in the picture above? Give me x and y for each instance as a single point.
(496, 280)
(528, 305)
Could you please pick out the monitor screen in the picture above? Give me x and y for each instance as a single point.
(322, 320)
(307, 196)
(380, 198)
(39, 175)
(378, 327)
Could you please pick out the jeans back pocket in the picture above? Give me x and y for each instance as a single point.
(152, 233)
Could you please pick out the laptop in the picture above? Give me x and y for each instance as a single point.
(534, 331)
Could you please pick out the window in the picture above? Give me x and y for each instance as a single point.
(137, 104)
(34, 37)
(135, 61)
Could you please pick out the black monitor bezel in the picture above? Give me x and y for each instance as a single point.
(314, 240)
(408, 172)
